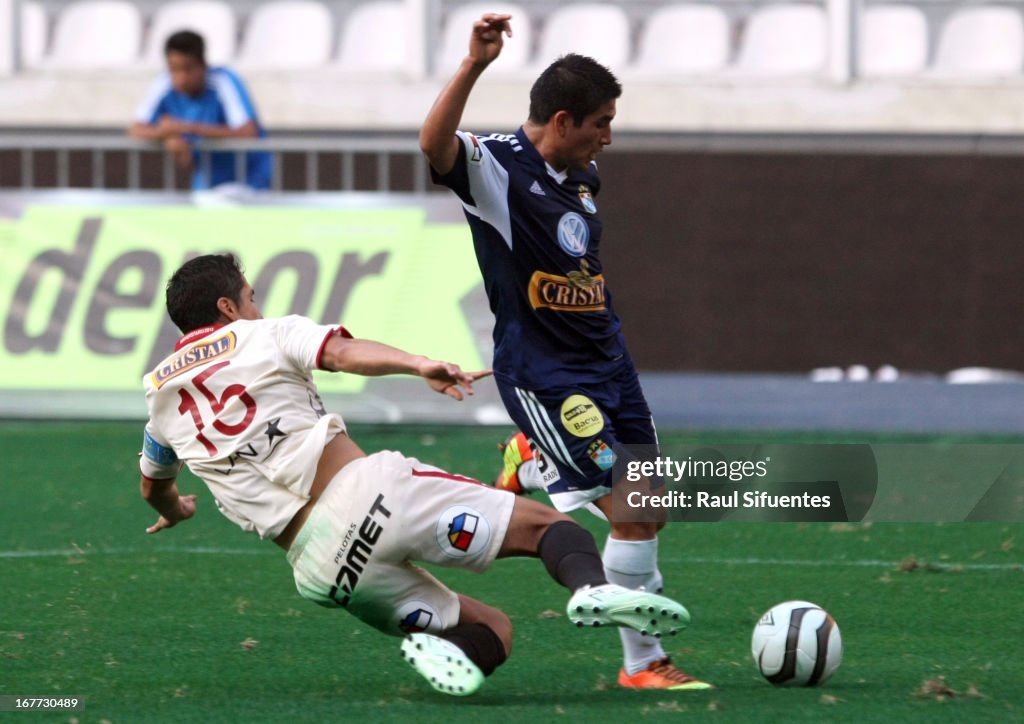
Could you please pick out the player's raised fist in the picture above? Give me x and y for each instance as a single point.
(486, 40)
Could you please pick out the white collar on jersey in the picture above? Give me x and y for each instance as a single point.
(559, 176)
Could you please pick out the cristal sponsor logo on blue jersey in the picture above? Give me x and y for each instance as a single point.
(192, 357)
(573, 234)
(578, 291)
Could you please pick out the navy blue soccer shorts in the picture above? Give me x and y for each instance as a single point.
(577, 429)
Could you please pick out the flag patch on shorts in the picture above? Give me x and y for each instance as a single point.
(462, 530)
(417, 621)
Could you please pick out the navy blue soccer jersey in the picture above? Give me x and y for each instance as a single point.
(537, 233)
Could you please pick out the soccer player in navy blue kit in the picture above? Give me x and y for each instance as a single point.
(560, 360)
(190, 101)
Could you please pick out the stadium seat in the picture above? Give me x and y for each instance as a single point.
(981, 41)
(33, 33)
(600, 31)
(213, 19)
(373, 38)
(684, 38)
(96, 34)
(455, 38)
(287, 35)
(892, 42)
(784, 39)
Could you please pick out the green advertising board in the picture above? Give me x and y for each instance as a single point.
(81, 291)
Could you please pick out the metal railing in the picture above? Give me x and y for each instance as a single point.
(326, 163)
(58, 159)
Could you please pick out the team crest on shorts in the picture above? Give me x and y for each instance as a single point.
(601, 454)
(462, 531)
(416, 616)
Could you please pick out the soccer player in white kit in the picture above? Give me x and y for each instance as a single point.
(236, 402)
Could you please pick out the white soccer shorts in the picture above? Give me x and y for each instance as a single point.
(380, 513)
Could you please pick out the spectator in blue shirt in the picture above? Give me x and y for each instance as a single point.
(190, 101)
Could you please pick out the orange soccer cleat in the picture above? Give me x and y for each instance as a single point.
(662, 674)
(515, 451)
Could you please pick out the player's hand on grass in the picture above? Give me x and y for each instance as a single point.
(186, 509)
(485, 43)
(449, 379)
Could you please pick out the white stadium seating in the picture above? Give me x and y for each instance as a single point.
(687, 64)
(981, 41)
(374, 38)
(784, 39)
(287, 35)
(684, 39)
(893, 41)
(33, 33)
(213, 19)
(598, 30)
(95, 35)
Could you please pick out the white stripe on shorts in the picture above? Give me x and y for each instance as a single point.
(550, 440)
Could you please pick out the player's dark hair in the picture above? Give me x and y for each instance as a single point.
(193, 290)
(187, 42)
(573, 83)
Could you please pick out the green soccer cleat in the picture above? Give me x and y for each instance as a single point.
(443, 664)
(613, 605)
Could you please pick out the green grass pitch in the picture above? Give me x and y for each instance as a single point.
(202, 623)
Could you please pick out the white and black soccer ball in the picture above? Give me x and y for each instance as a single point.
(797, 643)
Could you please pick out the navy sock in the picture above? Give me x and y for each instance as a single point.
(570, 555)
(480, 644)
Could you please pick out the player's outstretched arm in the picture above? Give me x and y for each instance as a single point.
(449, 379)
(437, 136)
(162, 495)
(373, 359)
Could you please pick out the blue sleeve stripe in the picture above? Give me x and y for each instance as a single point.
(156, 452)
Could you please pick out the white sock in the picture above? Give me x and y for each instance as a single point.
(634, 564)
(529, 475)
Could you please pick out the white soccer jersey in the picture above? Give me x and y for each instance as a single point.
(238, 405)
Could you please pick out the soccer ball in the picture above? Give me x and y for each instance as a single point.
(797, 643)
